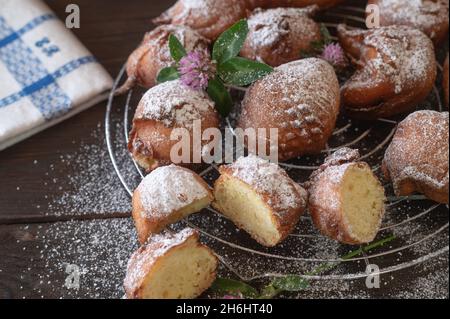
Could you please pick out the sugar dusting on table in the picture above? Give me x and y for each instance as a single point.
(89, 186)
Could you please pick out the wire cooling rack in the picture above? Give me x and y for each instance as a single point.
(420, 227)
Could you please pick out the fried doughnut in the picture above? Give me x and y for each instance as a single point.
(153, 54)
(209, 17)
(429, 16)
(417, 159)
(278, 36)
(323, 4)
(347, 201)
(171, 266)
(165, 107)
(396, 70)
(260, 198)
(445, 80)
(301, 100)
(166, 196)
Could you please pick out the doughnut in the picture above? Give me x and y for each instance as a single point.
(301, 99)
(166, 196)
(347, 201)
(445, 80)
(153, 54)
(278, 36)
(165, 107)
(323, 4)
(260, 198)
(417, 158)
(429, 16)
(171, 266)
(396, 70)
(209, 17)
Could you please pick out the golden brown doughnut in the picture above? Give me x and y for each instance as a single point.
(171, 266)
(278, 36)
(323, 4)
(346, 199)
(153, 54)
(417, 159)
(162, 109)
(209, 17)
(396, 70)
(260, 198)
(301, 100)
(166, 196)
(429, 16)
(445, 80)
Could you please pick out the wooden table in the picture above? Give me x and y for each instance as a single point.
(60, 202)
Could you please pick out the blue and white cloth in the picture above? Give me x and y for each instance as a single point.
(46, 74)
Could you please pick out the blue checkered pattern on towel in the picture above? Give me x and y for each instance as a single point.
(38, 85)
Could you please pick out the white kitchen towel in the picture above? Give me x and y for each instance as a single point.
(46, 74)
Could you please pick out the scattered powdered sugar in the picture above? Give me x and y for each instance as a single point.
(142, 260)
(79, 259)
(268, 179)
(173, 103)
(90, 185)
(425, 15)
(420, 150)
(405, 57)
(168, 189)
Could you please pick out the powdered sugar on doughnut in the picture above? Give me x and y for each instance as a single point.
(423, 14)
(168, 189)
(305, 85)
(405, 56)
(271, 182)
(174, 104)
(188, 37)
(142, 260)
(268, 27)
(420, 150)
(209, 17)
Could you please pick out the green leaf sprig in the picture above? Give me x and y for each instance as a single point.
(229, 68)
(290, 283)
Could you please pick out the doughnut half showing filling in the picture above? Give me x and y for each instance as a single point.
(244, 207)
(362, 200)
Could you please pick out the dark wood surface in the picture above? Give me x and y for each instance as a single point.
(46, 223)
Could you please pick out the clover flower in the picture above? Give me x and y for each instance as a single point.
(196, 69)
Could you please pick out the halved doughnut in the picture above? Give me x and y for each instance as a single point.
(171, 266)
(260, 198)
(166, 196)
(347, 201)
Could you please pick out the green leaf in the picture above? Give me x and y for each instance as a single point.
(167, 74)
(229, 286)
(230, 43)
(326, 36)
(241, 72)
(177, 51)
(220, 95)
(290, 283)
(269, 292)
